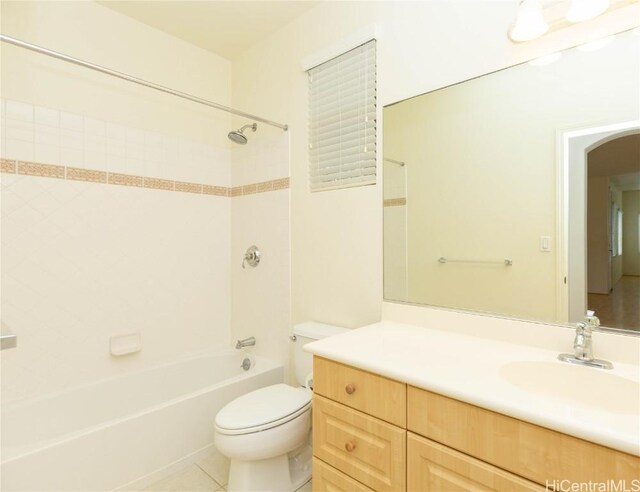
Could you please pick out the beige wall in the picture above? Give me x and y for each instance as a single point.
(337, 236)
(631, 221)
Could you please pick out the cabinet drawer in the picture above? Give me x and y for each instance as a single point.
(363, 447)
(433, 467)
(369, 393)
(525, 449)
(328, 479)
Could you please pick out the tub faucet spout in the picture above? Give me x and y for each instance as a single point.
(247, 342)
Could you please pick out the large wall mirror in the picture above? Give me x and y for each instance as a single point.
(518, 192)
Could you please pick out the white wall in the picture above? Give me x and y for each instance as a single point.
(631, 235)
(83, 261)
(337, 236)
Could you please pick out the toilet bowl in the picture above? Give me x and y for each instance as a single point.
(266, 433)
(258, 431)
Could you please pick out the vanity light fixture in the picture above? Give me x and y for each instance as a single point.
(530, 23)
(582, 10)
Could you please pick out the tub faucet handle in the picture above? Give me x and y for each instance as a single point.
(247, 342)
(251, 257)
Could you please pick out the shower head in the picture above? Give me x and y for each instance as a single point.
(238, 136)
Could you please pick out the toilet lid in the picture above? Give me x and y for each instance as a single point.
(257, 409)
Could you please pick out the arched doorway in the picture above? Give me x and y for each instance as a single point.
(613, 208)
(574, 149)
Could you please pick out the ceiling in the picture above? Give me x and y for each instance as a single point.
(226, 28)
(626, 182)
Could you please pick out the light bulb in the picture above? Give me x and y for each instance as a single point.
(530, 23)
(582, 10)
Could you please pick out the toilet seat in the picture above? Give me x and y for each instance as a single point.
(262, 409)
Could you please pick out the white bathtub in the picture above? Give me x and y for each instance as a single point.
(104, 435)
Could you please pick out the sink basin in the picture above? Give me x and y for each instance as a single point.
(584, 386)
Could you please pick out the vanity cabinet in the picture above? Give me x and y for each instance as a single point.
(431, 466)
(525, 449)
(374, 433)
(327, 478)
(365, 448)
(359, 425)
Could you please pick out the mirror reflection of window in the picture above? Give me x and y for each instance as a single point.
(616, 230)
(619, 231)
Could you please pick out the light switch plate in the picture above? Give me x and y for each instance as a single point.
(545, 243)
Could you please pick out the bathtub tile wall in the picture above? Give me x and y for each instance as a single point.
(82, 260)
(262, 219)
(86, 260)
(51, 136)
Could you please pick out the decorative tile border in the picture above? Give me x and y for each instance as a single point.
(159, 184)
(395, 202)
(216, 190)
(188, 187)
(77, 174)
(125, 180)
(43, 170)
(9, 166)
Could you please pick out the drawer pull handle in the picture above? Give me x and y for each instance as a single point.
(349, 446)
(350, 389)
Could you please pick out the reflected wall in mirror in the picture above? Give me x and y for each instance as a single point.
(488, 186)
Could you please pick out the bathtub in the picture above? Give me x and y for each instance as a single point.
(113, 432)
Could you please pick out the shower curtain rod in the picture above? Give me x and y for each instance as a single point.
(136, 80)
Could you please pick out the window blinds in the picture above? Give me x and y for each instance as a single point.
(342, 120)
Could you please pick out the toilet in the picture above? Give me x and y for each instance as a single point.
(266, 433)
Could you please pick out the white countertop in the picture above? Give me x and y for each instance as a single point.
(475, 370)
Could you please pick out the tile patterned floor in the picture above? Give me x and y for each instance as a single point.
(190, 479)
(195, 479)
(621, 307)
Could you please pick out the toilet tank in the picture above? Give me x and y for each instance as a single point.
(307, 332)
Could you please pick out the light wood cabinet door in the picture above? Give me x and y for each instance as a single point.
(328, 479)
(365, 448)
(530, 451)
(376, 395)
(432, 467)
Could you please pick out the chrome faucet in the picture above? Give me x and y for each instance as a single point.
(247, 342)
(583, 344)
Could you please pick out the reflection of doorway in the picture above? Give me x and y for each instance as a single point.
(613, 188)
(574, 147)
